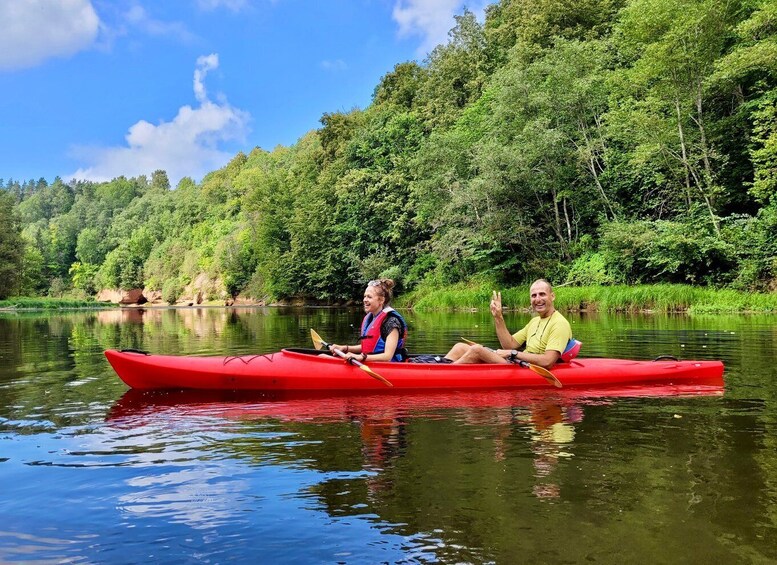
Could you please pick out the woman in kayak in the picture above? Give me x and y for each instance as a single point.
(383, 330)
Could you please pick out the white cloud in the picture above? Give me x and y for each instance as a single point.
(234, 5)
(335, 65)
(186, 146)
(32, 31)
(205, 63)
(138, 18)
(432, 19)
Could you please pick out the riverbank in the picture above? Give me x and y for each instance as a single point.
(45, 303)
(476, 296)
(622, 298)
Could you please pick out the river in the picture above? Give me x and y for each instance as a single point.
(94, 474)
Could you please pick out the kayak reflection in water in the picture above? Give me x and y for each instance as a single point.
(383, 330)
(545, 336)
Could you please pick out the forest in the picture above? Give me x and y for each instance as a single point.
(597, 142)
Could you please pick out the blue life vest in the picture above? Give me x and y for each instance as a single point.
(372, 341)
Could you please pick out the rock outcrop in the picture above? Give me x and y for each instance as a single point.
(124, 297)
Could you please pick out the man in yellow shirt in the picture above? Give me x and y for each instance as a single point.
(545, 336)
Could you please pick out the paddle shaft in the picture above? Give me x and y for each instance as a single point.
(318, 341)
(542, 371)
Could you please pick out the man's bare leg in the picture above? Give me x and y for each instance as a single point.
(479, 354)
(457, 351)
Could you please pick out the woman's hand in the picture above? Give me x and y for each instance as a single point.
(355, 357)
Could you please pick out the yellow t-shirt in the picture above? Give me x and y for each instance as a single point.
(541, 334)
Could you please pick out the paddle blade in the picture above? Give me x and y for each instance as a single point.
(543, 372)
(318, 343)
(374, 375)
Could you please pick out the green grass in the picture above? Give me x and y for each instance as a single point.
(42, 303)
(624, 298)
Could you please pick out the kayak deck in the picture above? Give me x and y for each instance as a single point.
(306, 370)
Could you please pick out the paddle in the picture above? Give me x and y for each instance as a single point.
(542, 371)
(319, 343)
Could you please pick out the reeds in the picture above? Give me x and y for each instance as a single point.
(623, 298)
(43, 303)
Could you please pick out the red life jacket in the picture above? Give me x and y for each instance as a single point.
(372, 342)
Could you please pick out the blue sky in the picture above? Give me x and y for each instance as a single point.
(94, 89)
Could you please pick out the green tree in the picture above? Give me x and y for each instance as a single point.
(747, 76)
(455, 73)
(674, 46)
(33, 279)
(764, 148)
(11, 247)
(83, 277)
(123, 267)
(541, 22)
(400, 87)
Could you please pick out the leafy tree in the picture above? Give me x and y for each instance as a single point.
(91, 246)
(32, 275)
(674, 46)
(236, 262)
(11, 247)
(661, 250)
(159, 181)
(83, 276)
(747, 75)
(764, 148)
(400, 87)
(455, 73)
(541, 22)
(123, 267)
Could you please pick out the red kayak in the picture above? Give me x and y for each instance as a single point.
(306, 370)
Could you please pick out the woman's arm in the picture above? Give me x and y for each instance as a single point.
(345, 348)
(392, 340)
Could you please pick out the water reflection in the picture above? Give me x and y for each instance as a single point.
(542, 423)
(553, 431)
(685, 474)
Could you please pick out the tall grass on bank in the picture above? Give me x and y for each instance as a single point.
(658, 298)
(39, 303)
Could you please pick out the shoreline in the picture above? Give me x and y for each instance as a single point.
(646, 299)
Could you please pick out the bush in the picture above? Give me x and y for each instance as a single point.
(83, 276)
(590, 269)
(172, 290)
(58, 287)
(236, 261)
(756, 240)
(664, 251)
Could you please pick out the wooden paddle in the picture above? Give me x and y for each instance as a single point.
(319, 343)
(542, 371)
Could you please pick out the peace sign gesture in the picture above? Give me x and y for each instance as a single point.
(496, 304)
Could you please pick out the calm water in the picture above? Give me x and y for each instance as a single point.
(93, 474)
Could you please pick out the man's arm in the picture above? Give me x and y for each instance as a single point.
(547, 359)
(506, 340)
